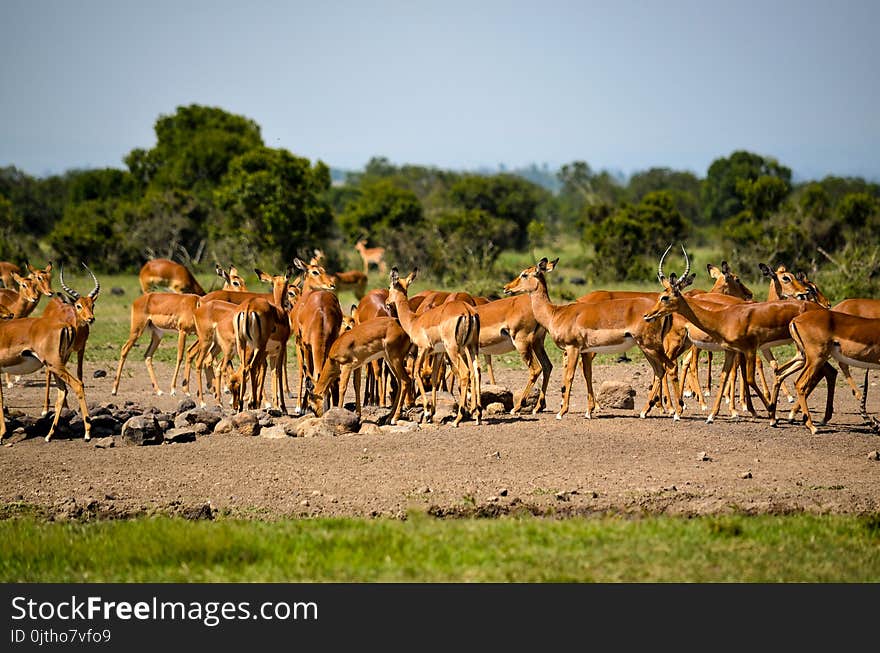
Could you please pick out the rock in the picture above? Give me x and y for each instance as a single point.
(185, 404)
(376, 414)
(311, 427)
(704, 457)
(746, 475)
(401, 427)
(142, 430)
(104, 443)
(491, 394)
(288, 424)
(99, 374)
(246, 423)
(116, 290)
(193, 415)
(369, 428)
(342, 420)
(502, 492)
(225, 425)
(614, 394)
(275, 432)
(495, 408)
(874, 455)
(181, 434)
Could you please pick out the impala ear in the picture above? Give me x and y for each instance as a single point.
(299, 263)
(395, 275)
(713, 271)
(765, 270)
(725, 269)
(411, 276)
(684, 282)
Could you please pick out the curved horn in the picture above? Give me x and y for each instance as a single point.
(67, 289)
(687, 263)
(97, 288)
(660, 274)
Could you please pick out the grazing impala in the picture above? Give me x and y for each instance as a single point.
(381, 338)
(166, 273)
(453, 329)
(60, 308)
(371, 256)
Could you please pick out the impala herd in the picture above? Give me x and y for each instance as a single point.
(412, 345)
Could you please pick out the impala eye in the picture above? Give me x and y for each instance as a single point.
(665, 300)
(786, 279)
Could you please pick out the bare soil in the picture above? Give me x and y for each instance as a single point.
(614, 463)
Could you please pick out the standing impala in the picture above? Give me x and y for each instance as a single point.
(30, 343)
(453, 328)
(371, 256)
(60, 308)
(744, 328)
(582, 329)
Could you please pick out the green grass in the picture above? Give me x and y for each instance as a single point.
(796, 548)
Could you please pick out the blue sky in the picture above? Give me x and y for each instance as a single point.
(623, 85)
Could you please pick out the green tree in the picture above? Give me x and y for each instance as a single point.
(506, 197)
(722, 191)
(684, 187)
(274, 202)
(380, 209)
(194, 149)
(857, 210)
(762, 196)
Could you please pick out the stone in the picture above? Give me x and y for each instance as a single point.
(874, 455)
(746, 475)
(180, 434)
(193, 415)
(311, 427)
(491, 394)
(104, 443)
(614, 394)
(185, 404)
(342, 420)
(99, 374)
(142, 430)
(369, 428)
(274, 432)
(495, 408)
(225, 425)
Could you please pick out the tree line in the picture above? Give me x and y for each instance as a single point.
(210, 189)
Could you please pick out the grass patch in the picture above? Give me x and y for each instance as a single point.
(792, 548)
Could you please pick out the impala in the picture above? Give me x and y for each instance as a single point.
(232, 280)
(30, 343)
(161, 313)
(7, 269)
(166, 273)
(371, 255)
(61, 308)
(372, 305)
(744, 328)
(453, 329)
(582, 329)
(215, 340)
(821, 335)
(260, 325)
(315, 322)
(381, 338)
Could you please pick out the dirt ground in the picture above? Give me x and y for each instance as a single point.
(614, 463)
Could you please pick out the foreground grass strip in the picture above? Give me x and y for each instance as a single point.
(801, 548)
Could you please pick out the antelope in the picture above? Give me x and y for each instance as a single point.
(353, 280)
(23, 302)
(161, 313)
(232, 280)
(820, 335)
(584, 328)
(166, 273)
(744, 328)
(215, 338)
(453, 329)
(378, 338)
(256, 323)
(60, 308)
(374, 304)
(315, 322)
(7, 269)
(508, 324)
(371, 256)
(30, 343)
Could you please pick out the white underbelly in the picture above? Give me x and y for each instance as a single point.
(776, 343)
(498, 348)
(25, 365)
(618, 348)
(707, 345)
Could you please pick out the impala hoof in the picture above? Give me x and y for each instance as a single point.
(173, 392)
(643, 415)
(558, 415)
(676, 418)
(710, 419)
(791, 400)
(44, 413)
(159, 393)
(687, 393)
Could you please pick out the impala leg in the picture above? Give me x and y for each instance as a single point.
(417, 373)
(571, 361)
(546, 369)
(587, 362)
(729, 359)
(155, 339)
(796, 364)
(181, 346)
